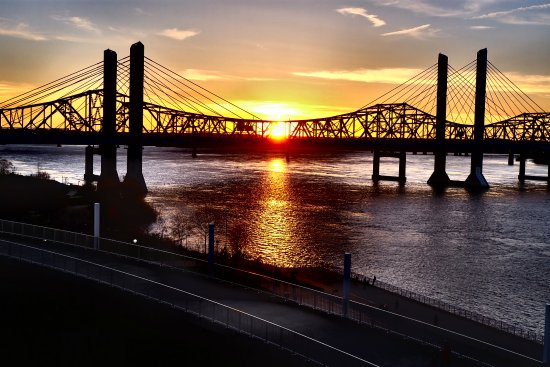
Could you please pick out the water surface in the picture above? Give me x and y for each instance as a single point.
(488, 253)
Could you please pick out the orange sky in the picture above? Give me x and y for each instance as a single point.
(279, 59)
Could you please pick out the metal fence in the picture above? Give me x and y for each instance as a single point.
(455, 310)
(365, 314)
(218, 313)
(278, 286)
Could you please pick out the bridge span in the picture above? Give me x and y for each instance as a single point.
(137, 102)
(288, 315)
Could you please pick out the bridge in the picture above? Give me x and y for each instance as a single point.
(137, 102)
(308, 322)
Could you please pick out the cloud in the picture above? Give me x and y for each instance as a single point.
(260, 79)
(77, 22)
(20, 30)
(178, 34)
(481, 27)
(534, 14)
(531, 83)
(377, 22)
(203, 75)
(140, 11)
(423, 8)
(206, 75)
(455, 8)
(421, 31)
(9, 89)
(389, 75)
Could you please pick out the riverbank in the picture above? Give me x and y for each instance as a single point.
(41, 201)
(317, 277)
(377, 345)
(331, 282)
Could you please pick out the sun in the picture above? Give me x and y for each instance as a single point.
(278, 130)
(276, 113)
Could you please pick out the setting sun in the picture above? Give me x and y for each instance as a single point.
(277, 113)
(278, 131)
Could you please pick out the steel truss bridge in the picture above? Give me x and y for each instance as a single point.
(83, 113)
(442, 109)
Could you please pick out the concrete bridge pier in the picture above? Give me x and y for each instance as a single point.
(89, 176)
(439, 178)
(522, 177)
(107, 148)
(134, 181)
(376, 176)
(476, 180)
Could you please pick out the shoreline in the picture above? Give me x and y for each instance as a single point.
(42, 201)
(416, 345)
(328, 280)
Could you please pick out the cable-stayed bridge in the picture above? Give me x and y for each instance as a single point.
(136, 101)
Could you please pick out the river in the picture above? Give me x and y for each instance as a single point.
(488, 253)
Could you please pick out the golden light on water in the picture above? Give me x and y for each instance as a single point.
(275, 225)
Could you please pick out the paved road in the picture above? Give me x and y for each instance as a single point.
(378, 347)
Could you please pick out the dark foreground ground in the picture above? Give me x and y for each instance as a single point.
(54, 319)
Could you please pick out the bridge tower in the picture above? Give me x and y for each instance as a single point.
(107, 147)
(134, 175)
(439, 177)
(476, 180)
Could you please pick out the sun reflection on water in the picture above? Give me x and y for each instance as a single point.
(276, 225)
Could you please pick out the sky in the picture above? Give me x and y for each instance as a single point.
(280, 59)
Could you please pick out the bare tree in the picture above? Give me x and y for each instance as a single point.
(6, 167)
(239, 238)
(180, 228)
(201, 218)
(42, 175)
(161, 224)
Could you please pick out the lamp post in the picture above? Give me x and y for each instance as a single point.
(134, 241)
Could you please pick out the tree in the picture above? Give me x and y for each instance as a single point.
(180, 228)
(239, 237)
(6, 167)
(201, 218)
(42, 175)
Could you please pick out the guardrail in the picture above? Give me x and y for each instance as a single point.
(455, 310)
(372, 316)
(202, 307)
(157, 255)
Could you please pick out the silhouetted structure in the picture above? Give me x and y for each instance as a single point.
(439, 177)
(107, 147)
(134, 175)
(178, 112)
(476, 178)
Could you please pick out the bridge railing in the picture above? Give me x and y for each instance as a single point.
(456, 310)
(365, 314)
(279, 287)
(218, 313)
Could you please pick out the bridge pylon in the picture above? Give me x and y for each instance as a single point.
(401, 155)
(107, 147)
(439, 177)
(134, 180)
(476, 180)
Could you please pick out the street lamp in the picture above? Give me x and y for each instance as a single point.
(134, 241)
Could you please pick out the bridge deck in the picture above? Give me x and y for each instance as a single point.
(362, 341)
